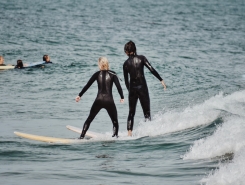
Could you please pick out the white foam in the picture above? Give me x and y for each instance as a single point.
(230, 173)
(175, 121)
(228, 138)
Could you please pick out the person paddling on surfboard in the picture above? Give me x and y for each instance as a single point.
(105, 79)
(20, 64)
(137, 87)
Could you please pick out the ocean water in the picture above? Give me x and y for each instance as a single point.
(197, 134)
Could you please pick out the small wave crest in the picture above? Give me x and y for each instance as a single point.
(229, 138)
(228, 173)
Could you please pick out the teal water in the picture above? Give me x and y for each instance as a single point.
(197, 135)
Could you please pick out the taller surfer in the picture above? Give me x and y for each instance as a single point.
(105, 79)
(137, 87)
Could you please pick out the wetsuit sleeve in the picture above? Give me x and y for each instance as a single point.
(119, 88)
(153, 71)
(125, 73)
(90, 82)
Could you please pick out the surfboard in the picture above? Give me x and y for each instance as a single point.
(25, 65)
(7, 67)
(88, 133)
(96, 135)
(34, 64)
(49, 139)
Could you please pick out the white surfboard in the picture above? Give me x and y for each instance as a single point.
(96, 135)
(49, 139)
(34, 64)
(88, 133)
(6, 67)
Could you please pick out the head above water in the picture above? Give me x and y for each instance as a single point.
(1, 60)
(130, 48)
(103, 63)
(19, 64)
(46, 58)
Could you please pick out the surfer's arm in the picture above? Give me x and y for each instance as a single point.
(125, 73)
(154, 72)
(119, 88)
(90, 82)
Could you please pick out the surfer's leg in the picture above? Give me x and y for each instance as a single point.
(132, 99)
(93, 112)
(145, 102)
(112, 111)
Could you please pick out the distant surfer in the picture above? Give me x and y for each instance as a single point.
(46, 59)
(105, 79)
(137, 87)
(2, 61)
(20, 64)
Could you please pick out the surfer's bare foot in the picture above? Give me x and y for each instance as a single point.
(130, 133)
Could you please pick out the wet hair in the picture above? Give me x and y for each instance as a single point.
(103, 63)
(130, 48)
(45, 57)
(19, 64)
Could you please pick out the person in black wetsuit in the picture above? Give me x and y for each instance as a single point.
(105, 79)
(137, 87)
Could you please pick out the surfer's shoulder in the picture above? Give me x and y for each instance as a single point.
(112, 72)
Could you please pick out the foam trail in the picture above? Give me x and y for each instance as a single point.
(192, 117)
(234, 103)
(174, 121)
(228, 174)
(197, 115)
(228, 138)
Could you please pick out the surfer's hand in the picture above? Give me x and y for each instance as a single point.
(163, 84)
(78, 98)
(121, 100)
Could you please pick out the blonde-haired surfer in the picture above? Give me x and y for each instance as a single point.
(105, 79)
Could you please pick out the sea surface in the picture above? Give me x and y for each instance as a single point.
(197, 132)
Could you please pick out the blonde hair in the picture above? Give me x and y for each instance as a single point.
(1, 59)
(103, 63)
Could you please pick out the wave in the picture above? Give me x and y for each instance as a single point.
(227, 174)
(227, 140)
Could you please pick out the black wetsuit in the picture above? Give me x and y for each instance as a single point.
(137, 87)
(104, 99)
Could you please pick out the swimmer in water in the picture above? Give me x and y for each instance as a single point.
(105, 79)
(20, 64)
(46, 59)
(2, 61)
(137, 87)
